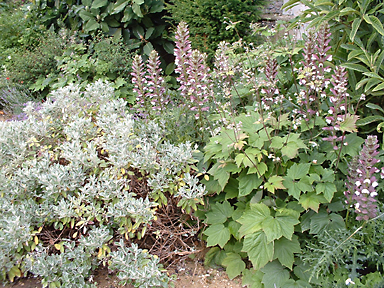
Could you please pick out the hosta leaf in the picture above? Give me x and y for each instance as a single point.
(259, 250)
(281, 225)
(217, 234)
(274, 275)
(285, 249)
(219, 213)
(233, 264)
(252, 218)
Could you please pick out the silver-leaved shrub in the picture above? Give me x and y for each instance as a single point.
(69, 172)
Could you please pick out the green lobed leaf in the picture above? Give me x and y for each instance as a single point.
(252, 278)
(298, 171)
(233, 264)
(311, 201)
(219, 213)
(285, 250)
(259, 250)
(247, 183)
(281, 225)
(275, 275)
(274, 182)
(252, 218)
(349, 123)
(323, 220)
(328, 189)
(217, 234)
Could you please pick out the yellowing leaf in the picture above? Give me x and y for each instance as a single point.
(100, 253)
(274, 182)
(58, 246)
(36, 240)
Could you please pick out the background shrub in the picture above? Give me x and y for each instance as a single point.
(208, 20)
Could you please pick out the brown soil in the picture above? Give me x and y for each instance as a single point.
(191, 274)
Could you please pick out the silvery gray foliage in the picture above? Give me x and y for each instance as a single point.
(65, 165)
(137, 267)
(71, 268)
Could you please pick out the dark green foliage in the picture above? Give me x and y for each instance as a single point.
(139, 22)
(208, 20)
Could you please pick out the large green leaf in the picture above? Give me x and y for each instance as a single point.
(248, 182)
(259, 250)
(252, 218)
(219, 174)
(99, 3)
(137, 10)
(119, 6)
(217, 234)
(219, 213)
(274, 275)
(295, 187)
(323, 220)
(252, 278)
(285, 249)
(328, 189)
(311, 200)
(298, 171)
(281, 225)
(233, 264)
(86, 16)
(91, 25)
(274, 182)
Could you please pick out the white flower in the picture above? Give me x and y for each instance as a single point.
(375, 184)
(357, 183)
(373, 194)
(365, 191)
(367, 181)
(349, 281)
